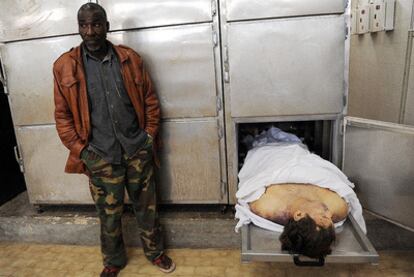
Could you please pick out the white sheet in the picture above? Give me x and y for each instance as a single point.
(277, 163)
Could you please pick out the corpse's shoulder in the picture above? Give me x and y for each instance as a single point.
(339, 211)
(337, 205)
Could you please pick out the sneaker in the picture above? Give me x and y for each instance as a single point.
(164, 263)
(110, 271)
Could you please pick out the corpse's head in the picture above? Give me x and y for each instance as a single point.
(93, 27)
(309, 231)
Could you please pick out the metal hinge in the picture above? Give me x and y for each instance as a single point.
(223, 189)
(226, 65)
(220, 131)
(342, 127)
(219, 104)
(213, 7)
(215, 38)
(19, 159)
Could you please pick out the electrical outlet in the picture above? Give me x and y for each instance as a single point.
(377, 16)
(363, 12)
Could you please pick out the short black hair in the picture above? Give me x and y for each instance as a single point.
(93, 7)
(303, 237)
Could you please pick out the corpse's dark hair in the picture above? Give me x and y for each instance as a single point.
(306, 238)
(93, 7)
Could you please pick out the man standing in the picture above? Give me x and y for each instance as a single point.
(107, 115)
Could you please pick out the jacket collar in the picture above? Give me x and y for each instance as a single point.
(76, 53)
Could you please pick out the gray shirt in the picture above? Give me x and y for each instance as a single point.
(114, 123)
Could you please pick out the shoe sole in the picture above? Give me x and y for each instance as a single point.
(171, 269)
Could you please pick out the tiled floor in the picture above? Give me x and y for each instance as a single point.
(22, 259)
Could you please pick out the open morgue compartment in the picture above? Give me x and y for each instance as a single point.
(321, 136)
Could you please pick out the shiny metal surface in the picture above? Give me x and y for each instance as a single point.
(255, 9)
(44, 162)
(28, 65)
(182, 66)
(379, 158)
(25, 19)
(190, 171)
(190, 163)
(128, 14)
(286, 67)
(351, 245)
(171, 55)
(182, 61)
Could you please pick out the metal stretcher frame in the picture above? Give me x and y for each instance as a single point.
(351, 246)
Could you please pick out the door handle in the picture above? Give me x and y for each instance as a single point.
(317, 262)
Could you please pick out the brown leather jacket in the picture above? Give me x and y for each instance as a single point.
(71, 101)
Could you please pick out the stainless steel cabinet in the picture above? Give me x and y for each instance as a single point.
(282, 61)
(179, 42)
(184, 63)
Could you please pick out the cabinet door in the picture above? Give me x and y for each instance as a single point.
(44, 158)
(379, 157)
(28, 65)
(130, 14)
(193, 169)
(181, 63)
(190, 163)
(286, 66)
(27, 19)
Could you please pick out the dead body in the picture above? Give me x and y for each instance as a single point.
(283, 201)
(308, 213)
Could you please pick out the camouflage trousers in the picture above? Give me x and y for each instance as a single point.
(107, 185)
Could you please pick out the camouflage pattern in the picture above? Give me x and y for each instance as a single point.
(107, 185)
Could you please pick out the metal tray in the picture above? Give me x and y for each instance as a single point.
(351, 246)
